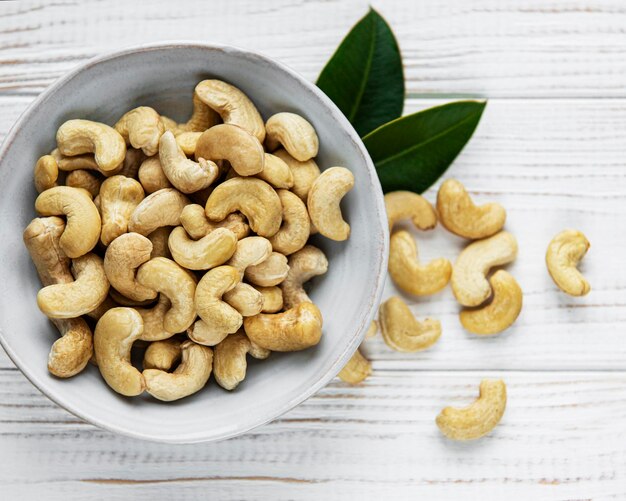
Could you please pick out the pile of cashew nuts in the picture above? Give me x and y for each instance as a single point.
(490, 304)
(187, 240)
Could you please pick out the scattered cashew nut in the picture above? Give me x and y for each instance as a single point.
(563, 255)
(356, 370)
(402, 332)
(406, 204)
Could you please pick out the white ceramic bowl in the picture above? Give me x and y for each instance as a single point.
(163, 76)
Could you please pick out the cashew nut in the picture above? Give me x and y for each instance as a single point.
(190, 376)
(296, 329)
(406, 204)
(250, 251)
(84, 136)
(162, 355)
(271, 271)
(185, 174)
(305, 264)
(204, 334)
(323, 202)
(272, 299)
(82, 162)
(402, 332)
(161, 208)
(501, 312)
(356, 370)
(407, 272)
(85, 180)
(82, 230)
(233, 106)
(115, 334)
(303, 173)
(151, 175)
(46, 173)
(165, 276)
(187, 142)
(122, 300)
(245, 299)
(196, 224)
(141, 128)
(159, 239)
(296, 226)
(169, 124)
(243, 151)
(202, 118)
(229, 365)
(153, 328)
(119, 197)
(480, 417)
(276, 172)
(293, 132)
(469, 281)
(564, 253)
(208, 252)
(132, 161)
(122, 258)
(460, 216)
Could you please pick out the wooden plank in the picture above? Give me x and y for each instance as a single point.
(529, 48)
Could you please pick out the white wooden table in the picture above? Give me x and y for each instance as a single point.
(551, 147)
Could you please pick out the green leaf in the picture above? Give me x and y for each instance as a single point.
(364, 77)
(412, 152)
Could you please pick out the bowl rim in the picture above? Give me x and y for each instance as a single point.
(379, 277)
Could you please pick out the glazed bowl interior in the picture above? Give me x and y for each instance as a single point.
(164, 77)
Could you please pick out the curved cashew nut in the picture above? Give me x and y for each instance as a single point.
(219, 317)
(71, 352)
(303, 173)
(153, 328)
(84, 136)
(186, 175)
(84, 179)
(480, 417)
(177, 284)
(276, 172)
(356, 370)
(406, 204)
(84, 294)
(46, 173)
(119, 197)
(469, 281)
(407, 272)
(230, 365)
(151, 175)
(296, 226)
(293, 132)
(190, 376)
(122, 258)
(196, 224)
(79, 162)
(159, 239)
(82, 230)
(296, 329)
(210, 251)
(402, 332)
(141, 128)
(563, 255)
(162, 355)
(233, 106)
(271, 271)
(187, 142)
(245, 299)
(501, 312)
(161, 208)
(460, 216)
(243, 151)
(250, 251)
(305, 264)
(272, 298)
(202, 118)
(115, 334)
(323, 202)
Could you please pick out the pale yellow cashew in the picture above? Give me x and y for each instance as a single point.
(219, 317)
(161, 208)
(409, 274)
(190, 376)
(159, 239)
(229, 364)
(82, 162)
(406, 204)
(293, 132)
(459, 215)
(162, 355)
(272, 298)
(271, 271)
(169, 124)
(85, 180)
(122, 258)
(187, 141)
(250, 251)
(202, 118)
(245, 299)
(303, 173)
(241, 149)
(75, 137)
(177, 284)
(151, 175)
(233, 106)
(305, 264)
(194, 220)
(119, 197)
(563, 255)
(469, 274)
(402, 332)
(115, 334)
(122, 300)
(46, 173)
(153, 328)
(208, 252)
(82, 230)
(501, 312)
(478, 419)
(141, 128)
(185, 174)
(276, 172)
(323, 201)
(296, 226)
(356, 370)
(296, 329)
